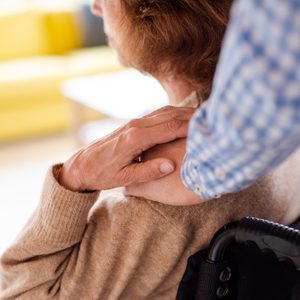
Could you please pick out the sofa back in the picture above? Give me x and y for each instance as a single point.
(32, 32)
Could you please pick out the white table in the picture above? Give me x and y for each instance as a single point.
(121, 96)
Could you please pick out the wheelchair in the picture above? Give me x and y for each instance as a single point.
(252, 259)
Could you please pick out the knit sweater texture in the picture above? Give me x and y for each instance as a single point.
(77, 246)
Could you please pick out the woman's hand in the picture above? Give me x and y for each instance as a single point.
(110, 161)
(169, 189)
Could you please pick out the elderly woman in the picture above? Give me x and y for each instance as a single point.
(77, 246)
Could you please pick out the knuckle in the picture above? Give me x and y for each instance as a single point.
(123, 177)
(173, 125)
(133, 134)
(129, 136)
(131, 124)
(128, 175)
(129, 144)
(153, 173)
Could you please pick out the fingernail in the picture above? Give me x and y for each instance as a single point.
(166, 168)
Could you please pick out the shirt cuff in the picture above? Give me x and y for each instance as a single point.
(193, 179)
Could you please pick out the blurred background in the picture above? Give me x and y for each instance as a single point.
(43, 44)
(61, 87)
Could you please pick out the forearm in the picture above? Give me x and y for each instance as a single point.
(251, 122)
(33, 266)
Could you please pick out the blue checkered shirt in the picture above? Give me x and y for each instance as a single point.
(251, 122)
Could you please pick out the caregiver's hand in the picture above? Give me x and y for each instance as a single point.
(169, 189)
(110, 161)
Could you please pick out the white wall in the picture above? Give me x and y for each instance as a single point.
(22, 170)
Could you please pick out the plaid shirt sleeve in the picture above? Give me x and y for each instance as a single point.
(251, 122)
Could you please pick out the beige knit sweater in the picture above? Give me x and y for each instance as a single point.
(79, 247)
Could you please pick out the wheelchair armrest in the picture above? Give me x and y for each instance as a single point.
(282, 240)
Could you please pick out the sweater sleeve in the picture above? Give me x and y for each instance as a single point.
(32, 268)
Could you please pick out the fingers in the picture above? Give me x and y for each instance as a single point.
(162, 115)
(147, 171)
(118, 150)
(165, 118)
(169, 110)
(137, 140)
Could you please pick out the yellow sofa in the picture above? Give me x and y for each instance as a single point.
(41, 51)
(30, 32)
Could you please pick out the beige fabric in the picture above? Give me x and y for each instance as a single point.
(191, 101)
(79, 247)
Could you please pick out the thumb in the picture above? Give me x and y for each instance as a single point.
(149, 170)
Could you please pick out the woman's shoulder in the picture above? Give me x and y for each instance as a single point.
(114, 205)
(115, 210)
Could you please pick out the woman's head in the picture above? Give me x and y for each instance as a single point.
(179, 37)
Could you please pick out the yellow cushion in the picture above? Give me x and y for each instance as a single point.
(22, 34)
(63, 31)
(48, 117)
(37, 32)
(42, 75)
(31, 102)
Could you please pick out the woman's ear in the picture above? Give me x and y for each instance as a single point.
(96, 8)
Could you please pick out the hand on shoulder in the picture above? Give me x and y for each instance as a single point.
(110, 161)
(169, 189)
